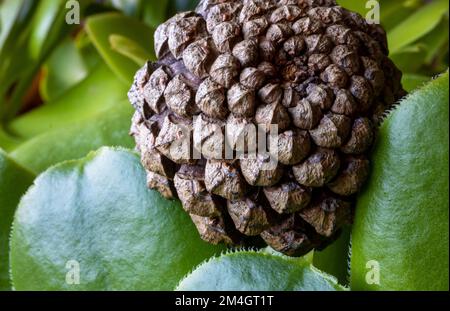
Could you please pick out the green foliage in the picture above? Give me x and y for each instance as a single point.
(100, 29)
(39, 28)
(55, 81)
(99, 212)
(130, 49)
(75, 141)
(417, 25)
(98, 92)
(402, 216)
(334, 259)
(14, 180)
(48, 22)
(413, 81)
(8, 142)
(252, 271)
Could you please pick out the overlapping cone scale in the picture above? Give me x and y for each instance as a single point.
(317, 71)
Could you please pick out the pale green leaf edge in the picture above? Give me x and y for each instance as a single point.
(408, 97)
(300, 261)
(91, 155)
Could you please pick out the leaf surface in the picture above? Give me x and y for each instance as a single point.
(14, 180)
(334, 259)
(401, 222)
(101, 27)
(417, 25)
(96, 214)
(109, 128)
(257, 271)
(98, 92)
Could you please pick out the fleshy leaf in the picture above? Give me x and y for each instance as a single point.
(395, 12)
(410, 58)
(8, 142)
(130, 49)
(417, 25)
(98, 92)
(334, 259)
(92, 224)
(101, 27)
(412, 81)
(14, 181)
(64, 69)
(45, 16)
(257, 271)
(437, 41)
(400, 235)
(104, 129)
(10, 11)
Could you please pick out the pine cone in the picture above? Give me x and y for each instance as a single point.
(315, 70)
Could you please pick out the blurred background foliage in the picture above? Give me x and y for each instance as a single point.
(63, 87)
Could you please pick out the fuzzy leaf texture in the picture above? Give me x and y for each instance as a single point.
(400, 235)
(252, 271)
(98, 213)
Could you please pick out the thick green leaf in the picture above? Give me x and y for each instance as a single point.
(16, 66)
(14, 16)
(44, 19)
(98, 92)
(101, 27)
(96, 214)
(395, 12)
(130, 49)
(410, 58)
(14, 180)
(7, 142)
(437, 41)
(412, 81)
(9, 12)
(306, 258)
(45, 30)
(417, 25)
(86, 48)
(109, 128)
(334, 259)
(401, 223)
(64, 69)
(252, 271)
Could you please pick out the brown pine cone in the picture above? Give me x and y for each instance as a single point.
(312, 78)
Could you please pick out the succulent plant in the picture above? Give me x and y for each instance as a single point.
(318, 72)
